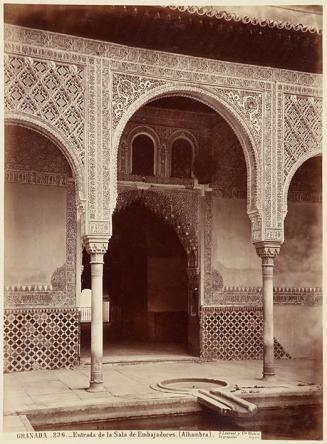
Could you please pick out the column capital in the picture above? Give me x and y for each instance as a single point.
(96, 244)
(267, 249)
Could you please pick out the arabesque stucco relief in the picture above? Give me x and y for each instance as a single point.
(88, 90)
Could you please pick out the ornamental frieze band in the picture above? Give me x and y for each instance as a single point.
(149, 58)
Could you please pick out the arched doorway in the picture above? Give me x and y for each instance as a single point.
(145, 277)
(146, 282)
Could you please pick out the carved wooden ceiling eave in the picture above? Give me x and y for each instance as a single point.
(221, 14)
(158, 28)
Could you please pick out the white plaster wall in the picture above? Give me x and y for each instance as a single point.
(35, 232)
(299, 263)
(299, 329)
(233, 254)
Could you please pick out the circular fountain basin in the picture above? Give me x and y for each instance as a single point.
(188, 385)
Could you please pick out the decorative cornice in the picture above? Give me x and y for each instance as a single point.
(213, 11)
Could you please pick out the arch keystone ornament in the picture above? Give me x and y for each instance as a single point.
(267, 251)
(96, 246)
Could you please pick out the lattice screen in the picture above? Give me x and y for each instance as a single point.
(41, 338)
(234, 333)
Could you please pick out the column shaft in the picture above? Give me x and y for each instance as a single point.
(268, 317)
(267, 252)
(96, 381)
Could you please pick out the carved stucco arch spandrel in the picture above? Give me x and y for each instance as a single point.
(242, 111)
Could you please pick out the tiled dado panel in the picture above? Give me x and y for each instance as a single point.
(41, 338)
(232, 333)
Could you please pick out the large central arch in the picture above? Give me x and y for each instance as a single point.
(223, 107)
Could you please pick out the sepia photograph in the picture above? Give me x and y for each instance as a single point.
(163, 232)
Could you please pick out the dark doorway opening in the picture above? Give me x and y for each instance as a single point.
(145, 279)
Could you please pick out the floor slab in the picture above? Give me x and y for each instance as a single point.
(66, 388)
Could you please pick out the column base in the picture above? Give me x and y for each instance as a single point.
(268, 368)
(95, 387)
(268, 377)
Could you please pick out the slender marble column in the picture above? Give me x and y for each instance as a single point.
(268, 251)
(96, 249)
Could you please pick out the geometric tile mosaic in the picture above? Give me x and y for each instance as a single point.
(41, 338)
